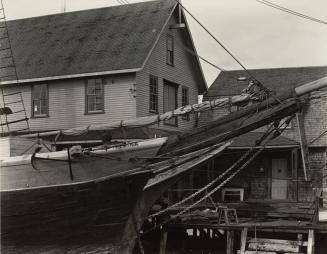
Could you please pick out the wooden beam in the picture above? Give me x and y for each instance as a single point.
(230, 242)
(227, 129)
(303, 144)
(311, 242)
(276, 247)
(163, 241)
(244, 235)
(295, 172)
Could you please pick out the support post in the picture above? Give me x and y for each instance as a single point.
(303, 144)
(311, 242)
(70, 165)
(163, 241)
(230, 242)
(244, 235)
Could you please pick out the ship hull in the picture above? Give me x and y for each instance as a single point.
(51, 198)
(71, 212)
(54, 168)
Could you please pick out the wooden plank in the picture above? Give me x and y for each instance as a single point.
(278, 241)
(163, 241)
(230, 242)
(243, 240)
(262, 246)
(256, 252)
(259, 252)
(311, 242)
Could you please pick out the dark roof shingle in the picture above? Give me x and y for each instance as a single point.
(104, 39)
(249, 139)
(277, 80)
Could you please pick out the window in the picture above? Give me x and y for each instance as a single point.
(153, 94)
(170, 50)
(185, 101)
(94, 96)
(40, 100)
(170, 100)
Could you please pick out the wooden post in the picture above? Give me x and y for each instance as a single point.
(230, 242)
(303, 144)
(316, 212)
(244, 235)
(163, 241)
(311, 242)
(294, 173)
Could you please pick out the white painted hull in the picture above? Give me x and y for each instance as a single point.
(53, 169)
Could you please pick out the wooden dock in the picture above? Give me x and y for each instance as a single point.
(280, 227)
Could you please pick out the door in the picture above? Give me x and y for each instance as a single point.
(279, 179)
(170, 100)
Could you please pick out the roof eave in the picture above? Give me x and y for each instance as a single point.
(70, 76)
(265, 147)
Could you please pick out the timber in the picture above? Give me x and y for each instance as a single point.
(180, 144)
(230, 242)
(244, 235)
(163, 241)
(303, 144)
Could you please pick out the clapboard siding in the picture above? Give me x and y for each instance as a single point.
(67, 103)
(182, 73)
(126, 95)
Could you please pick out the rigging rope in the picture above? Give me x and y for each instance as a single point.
(278, 131)
(247, 71)
(182, 6)
(265, 135)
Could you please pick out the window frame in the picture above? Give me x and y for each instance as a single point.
(170, 53)
(91, 112)
(154, 94)
(186, 102)
(46, 114)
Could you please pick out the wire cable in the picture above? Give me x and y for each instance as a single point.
(247, 71)
(186, 10)
(191, 51)
(281, 8)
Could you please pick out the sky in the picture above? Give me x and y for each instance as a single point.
(257, 35)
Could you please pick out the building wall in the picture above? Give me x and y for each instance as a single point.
(182, 73)
(314, 114)
(315, 120)
(67, 103)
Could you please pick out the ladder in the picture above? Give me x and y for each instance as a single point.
(13, 116)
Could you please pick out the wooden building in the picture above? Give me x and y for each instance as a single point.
(101, 65)
(279, 172)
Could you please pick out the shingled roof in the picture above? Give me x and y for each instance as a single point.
(117, 39)
(249, 139)
(278, 79)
